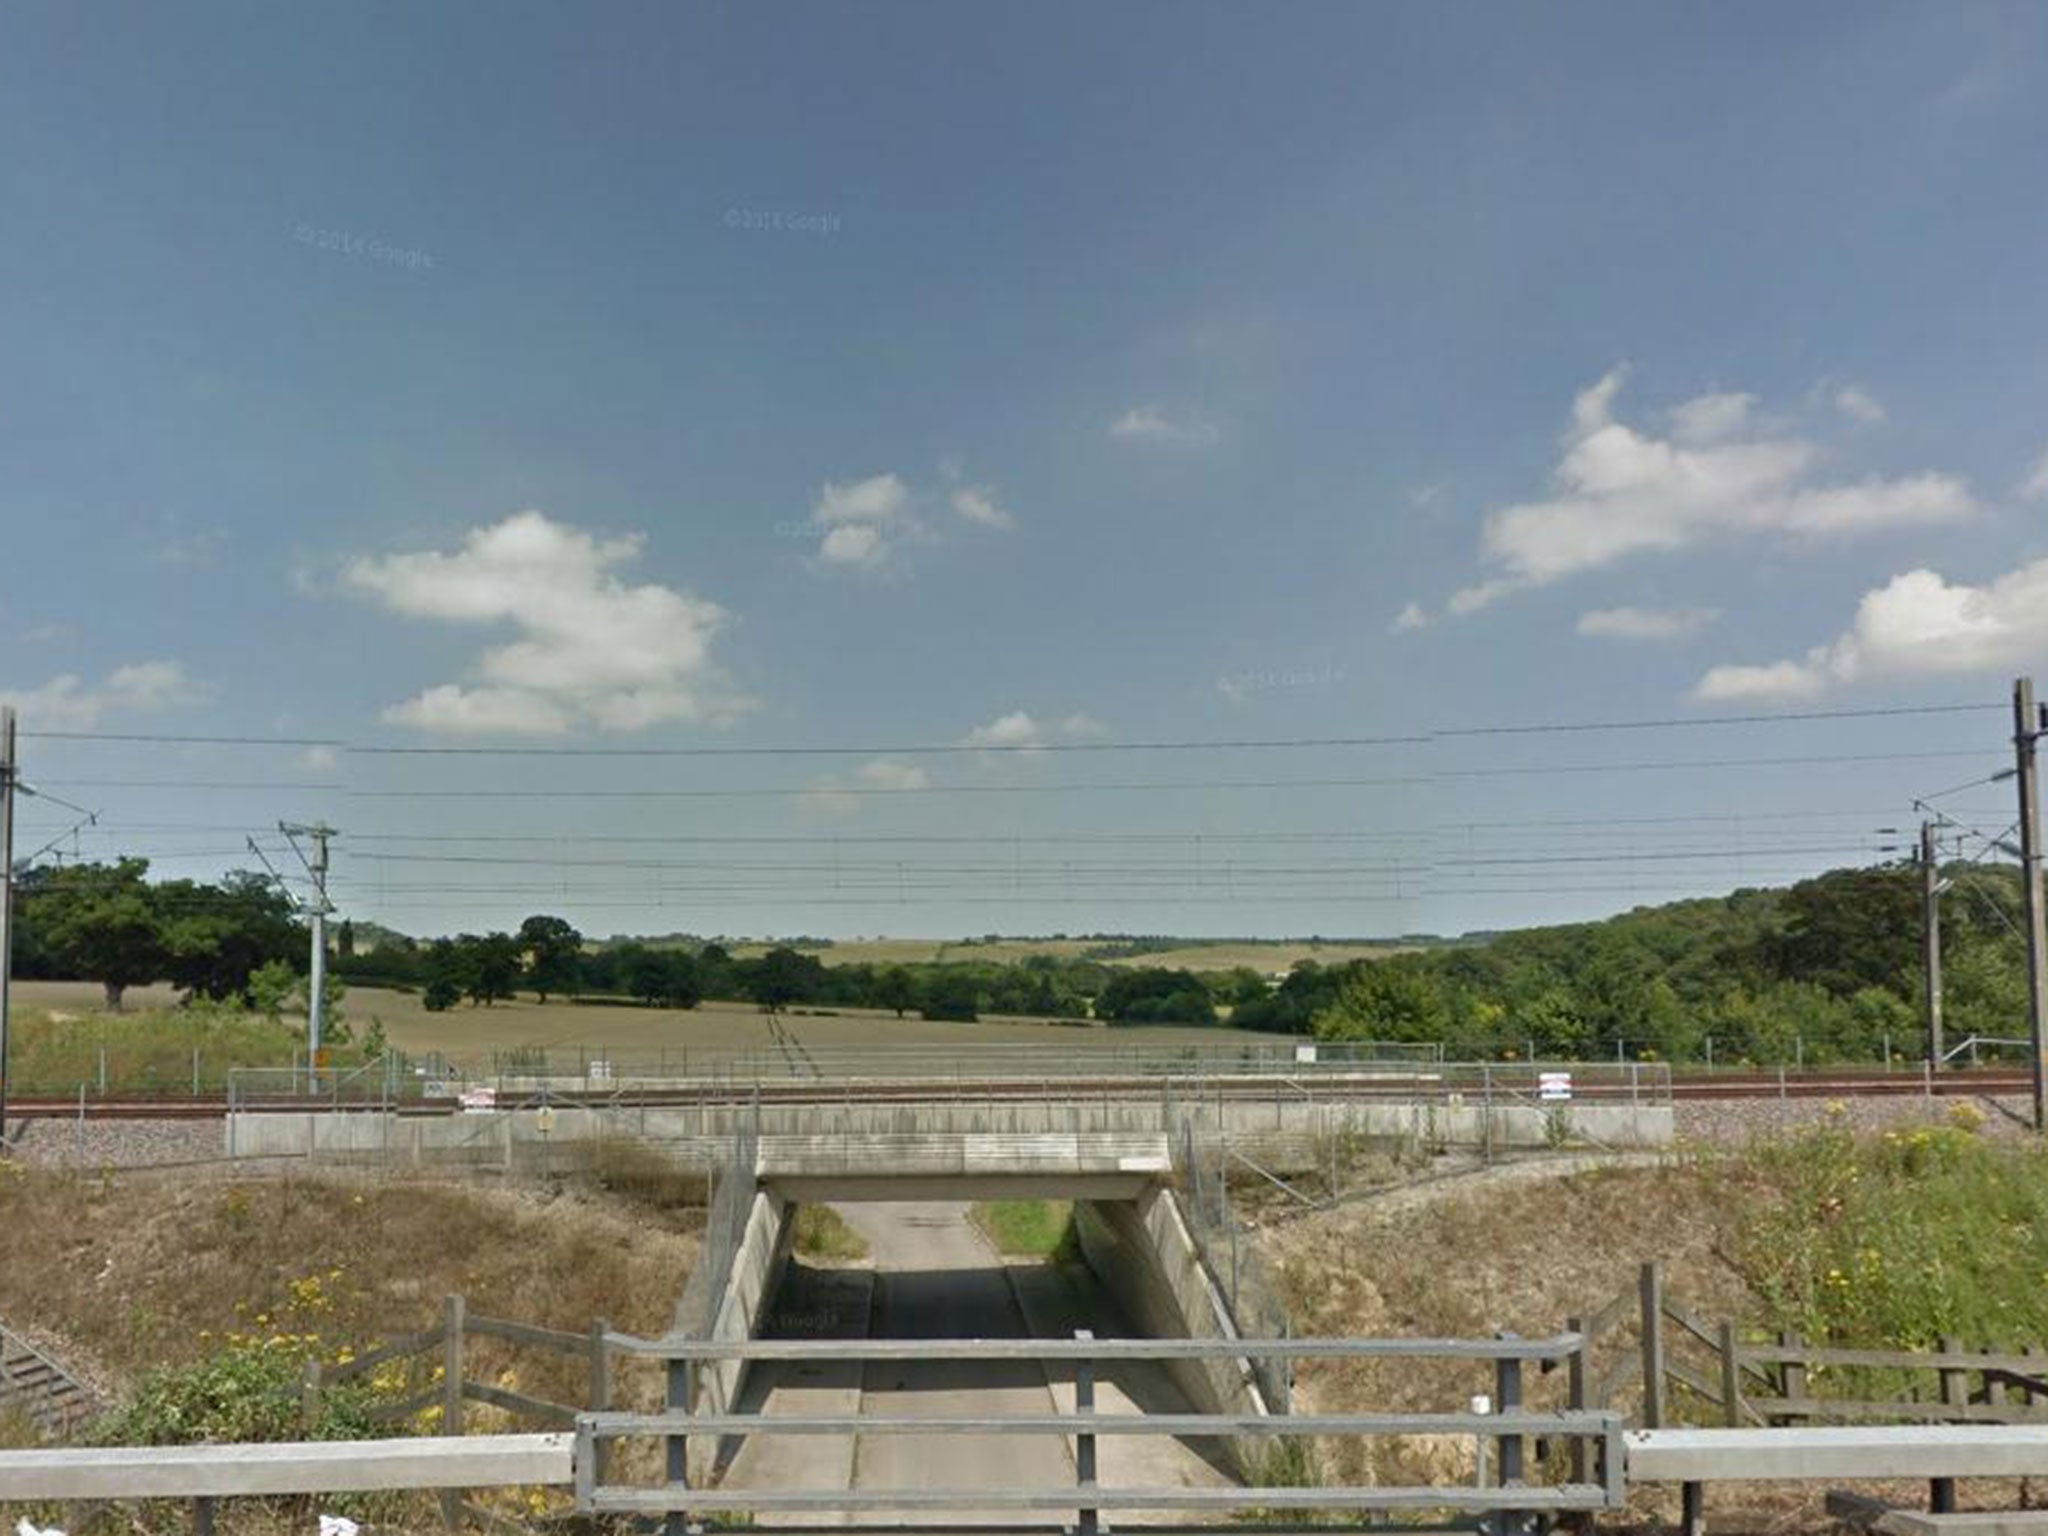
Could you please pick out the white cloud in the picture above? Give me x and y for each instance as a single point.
(1410, 618)
(1859, 405)
(195, 551)
(1916, 625)
(830, 797)
(861, 519)
(2035, 486)
(853, 544)
(1646, 623)
(1619, 492)
(69, 703)
(1710, 418)
(880, 501)
(889, 773)
(1020, 730)
(977, 504)
(591, 650)
(1151, 423)
(862, 523)
(1471, 599)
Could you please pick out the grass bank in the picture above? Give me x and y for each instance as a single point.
(1890, 1240)
(1027, 1229)
(155, 1050)
(822, 1233)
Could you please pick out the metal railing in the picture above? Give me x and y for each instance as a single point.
(1510, 1497)
(1092, 1053)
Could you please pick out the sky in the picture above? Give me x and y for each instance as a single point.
(846, 470)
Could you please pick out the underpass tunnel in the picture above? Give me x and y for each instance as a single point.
(931, 1272)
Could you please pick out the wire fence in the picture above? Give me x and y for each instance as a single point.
(725, 1227)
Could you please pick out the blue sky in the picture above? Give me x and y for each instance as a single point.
(1058, 376)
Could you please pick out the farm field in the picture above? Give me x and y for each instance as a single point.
(470, 1034)
(1194, 955)
(721, 1027)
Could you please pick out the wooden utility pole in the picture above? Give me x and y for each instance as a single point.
(2026, 727)
(1930, 917)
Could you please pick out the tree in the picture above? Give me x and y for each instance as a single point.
(493, 966)
(1155, 995)
(216, 936)
(106, 928)
(554, 954)
(1387, 1000)
(896, 989)
(783, 976)
(661, 978)
(271, 986)
(949, 992)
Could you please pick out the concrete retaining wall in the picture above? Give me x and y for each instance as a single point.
(1141, 1249)
(749, 1293)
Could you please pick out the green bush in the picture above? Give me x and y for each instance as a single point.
(1895, 1241)
(244, 1392)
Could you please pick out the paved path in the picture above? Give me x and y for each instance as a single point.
(936, 1277)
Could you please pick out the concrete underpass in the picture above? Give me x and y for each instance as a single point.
(931, 1274)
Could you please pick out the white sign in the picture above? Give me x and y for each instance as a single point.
(1553, 1087)
(479, 1100)
(1305, 1053)
(600, 1071)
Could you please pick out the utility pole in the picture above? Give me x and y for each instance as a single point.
(316, 981)
(1930, 907)
(2027, 725)
(7, 778)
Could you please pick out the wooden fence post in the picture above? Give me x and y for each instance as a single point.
(452, 1324)
(1994, 1387)
(1731, 1378)
(1793, 1373)
(600, 1390)
(1955, 1380)
(1651, 1285)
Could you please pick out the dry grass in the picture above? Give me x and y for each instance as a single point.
(126, 1273)
(1260, 954)
(1514, 1254)
(822, 1234)
(1263, 957)
(715, 1028)
(647, 1037)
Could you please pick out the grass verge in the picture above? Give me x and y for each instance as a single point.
(1028, 1229)
(159, 1050)
(822, 1233)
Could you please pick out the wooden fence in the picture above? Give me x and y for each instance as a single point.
(447, 1339)
(1743, 1382)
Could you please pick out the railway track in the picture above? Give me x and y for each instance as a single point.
(1830, 1084)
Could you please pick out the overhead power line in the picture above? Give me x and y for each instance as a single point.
(1414, 738)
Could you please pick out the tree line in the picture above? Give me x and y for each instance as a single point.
(1827, 969)
(550, 958)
